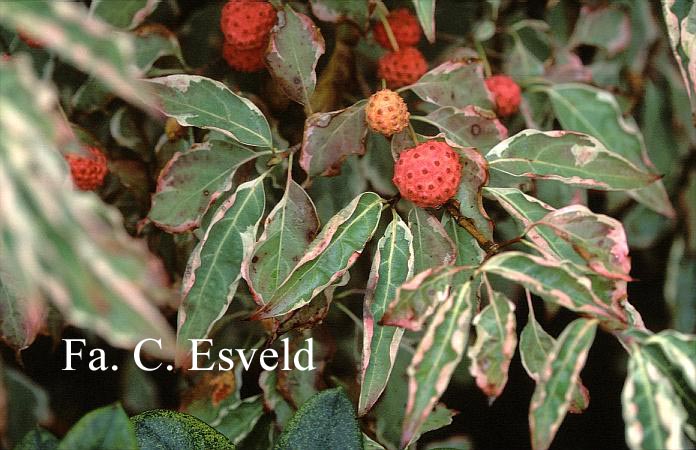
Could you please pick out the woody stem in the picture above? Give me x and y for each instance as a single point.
(490, 247)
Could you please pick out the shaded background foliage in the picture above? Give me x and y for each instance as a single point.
(625, 52)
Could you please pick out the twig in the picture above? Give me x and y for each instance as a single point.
(490, 247)
(382, 12)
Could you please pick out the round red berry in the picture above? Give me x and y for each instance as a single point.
(88, 172)
(404, 26)
(506, 92)
(246, 24)
(428, 174)
(403, 67)
(244, 60)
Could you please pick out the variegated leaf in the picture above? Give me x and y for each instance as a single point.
(456, 84)
(598, 239)
(328, 257)
(586, 109)
(21, 316)
(124, 13)
(432, 246)
(528, 210)
(196, 101)
(467, 127)
(213, 270)
(69, 246)
(535, 346)
(337, 11)
(474, 177)
(495, 344)
(437, 356)
(570, 157)
(331, 137)
(295, 47)
(418, 297)
(289, 229)
(554, 281)
(653, 415)
(557, 379)
(392, 265)
(84, 41)
(191, 181)
(680, 16)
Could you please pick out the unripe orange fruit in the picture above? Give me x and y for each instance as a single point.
(386, 112)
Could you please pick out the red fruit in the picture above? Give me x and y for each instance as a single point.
(404, 25)
(244, 60)
(88, 173)
(403, 67)
(428, 174)
(506, 93)
(246, 24)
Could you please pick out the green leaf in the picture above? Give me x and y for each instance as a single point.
(495, 345)
(273, 399)
(417, 298)
(331, 194)
(598, 239)
(162, 429)
(682, 37)
(680, 351)
(608, 28)
(325, 421)
(52, 229)
(106, 428)
(392, 265)
(213, 270)
(377, 165)
(124, 13)
(468, 251)
(555, 385)
(21, 317)
(152, 42)
(653, 415)
(38, 439)
(337, 11)
(432, 246)
(192, 181)
(573, 158)
(439, 352)
(521, 64)
(586, 109)
(528, 210)
(196, 101)
(237, 420)
(295, 47)
(289, 229)
(329, 256)
(535, 347)
(329, 138)
(467, 127)
(474, 177)
(86, 42)
(456, 84)
(425, 10)
(680, 285)
(554, 281)
(26, 402)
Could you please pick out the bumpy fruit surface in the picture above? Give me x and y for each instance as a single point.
(246, 24)
(428, 174)
(386, 112)
(405, 27)
(403, 67)
(244, 60)
(506, 92)
(88, 172)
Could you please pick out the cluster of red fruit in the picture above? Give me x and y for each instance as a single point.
(88, 172)
(246, 25)
(406, 65)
